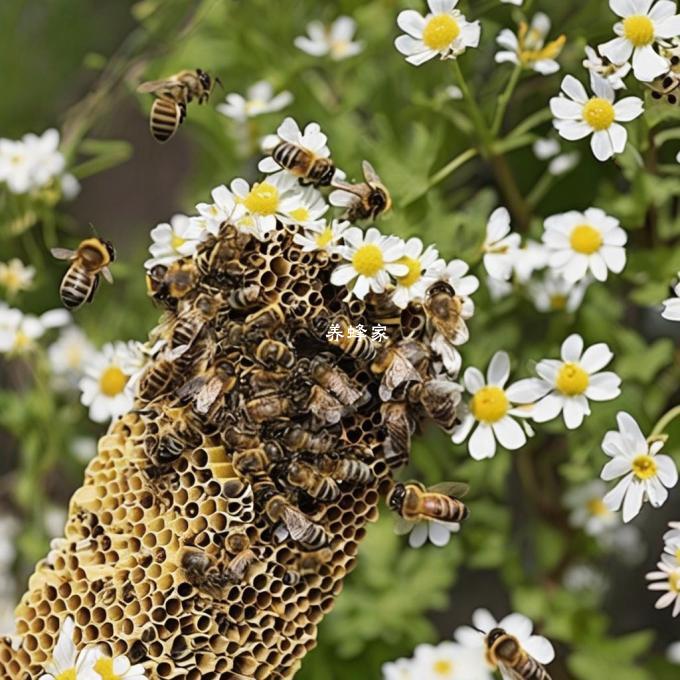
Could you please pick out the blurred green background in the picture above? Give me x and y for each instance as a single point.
(74, 65)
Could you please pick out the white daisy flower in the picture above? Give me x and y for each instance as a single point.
(401, 669)
(463, 283)
(500, 246)
(555, 294)
(436, 532)
(259, 99)
(444, 32)
(491, 410)
(224, 208)
(371, 259)
(69, 354)
(588, 510)
(498, 288)
(666, 580)
(15, 276)
(16, 166)
(335, 40)
(673, 653)
(578, 115)
(644, 23)
(521, 627)
(106, 386)
(581, 242)
(18, 331)
(647, 475)
(118, 668)
(566, 386)
(528, 47)
(672, 540)
(48, 162)
(310, 210)
(312, 140)
(531, 257)
(671, 306)
(601, 67)
(473, 641)
(580, 578)
(66, 662)
(173, 241)
(424, 268)
(322, 237)
(549, 148)
(447, 661)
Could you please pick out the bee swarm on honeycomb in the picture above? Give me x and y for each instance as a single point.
(218, 521)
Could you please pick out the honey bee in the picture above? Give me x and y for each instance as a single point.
(307, 166)
(364, 201)
(414, 503)
(201, 571)
(274, 353)
(156, 379)
(315, 483)
(167, 285)
(251, 464)
(192, 321)
(396, 363)
(238, 438)
(217, 257)
(245, 297)
(163, 449)
(261, 380)
(239, 544)
(325, 406)
(310, 562)
(268, 407)
(347, 470)
(296, 438)
(440, 400)
(504, 651)
(206, 388)
(399, 426)
(358, 346)
(267, 318)
(444, 312)
(335, 380)
(309, 535)
(172, 96)
(90, 260)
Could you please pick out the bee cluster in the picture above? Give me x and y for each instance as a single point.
(221, 515)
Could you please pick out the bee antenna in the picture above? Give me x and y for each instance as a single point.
(219, 82)
(93, 229)
(479, 630)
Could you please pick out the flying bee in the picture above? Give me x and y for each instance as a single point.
(504, 651)
(297, 438)
(201, 571)
(399, 426)
(191, 322)
(398, 363)
(354, 345)
(273, 353)
(172, 96)
(325, 406)
(91, 259)
(444, 310)
(315, 483)
(245, 297)
(206, 388)
(414, 503)
(309, 535)
(440, 400)
(364, 201)
(335, 380)
(307, 166)
(268, 407)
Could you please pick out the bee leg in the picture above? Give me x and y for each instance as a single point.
(94, 289)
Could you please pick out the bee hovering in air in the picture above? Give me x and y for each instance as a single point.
(363, 201)
(92, 258)
(308, 167)
(414, 503)
(172, 96)
(504, 651)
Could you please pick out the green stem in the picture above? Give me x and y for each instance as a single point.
(504, 100)
(666, 136)
(535, 119)
(540, 189)
(476, 115)
(665, 421)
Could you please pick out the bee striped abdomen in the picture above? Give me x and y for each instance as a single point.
(291, 157)
(530, 669)
(166, 116)
(76, 288)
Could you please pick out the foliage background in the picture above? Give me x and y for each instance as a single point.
(518, 544)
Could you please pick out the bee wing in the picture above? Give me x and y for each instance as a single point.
(326, 406)
(400, 370)
(106, 273)
(355, 189)
(508, 673)
(402, 526)
(296, 523)
(191, 387)
(452, 489)
(152, 86)
(62, 253)
(177, 352)
(370, 175)
(207, 395)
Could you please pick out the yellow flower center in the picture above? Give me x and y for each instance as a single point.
(70, 674)
(585, 239)
(442, 667)
(532, 47)
(558, 302)
(572, 380)
(489, 404)
(324, 238)
(677, 553)
(300, 214)
(21, 341)
(598, 113)
(674, 581)
(644, 466)
(74, 356)
(11, 279)
(15, 160)
(639, 29)
(177, 241)
(368, 260)
(112, 381)
(415, 271)
(262, 199)
(104, 667)
(440, 32)
(597, 508)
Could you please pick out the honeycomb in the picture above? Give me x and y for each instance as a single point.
(217, 522)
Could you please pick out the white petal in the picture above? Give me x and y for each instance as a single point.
(575, 410)
(499, 369)
(614, 498)
(596, 357)
(618, 50)
(574, 89)
(647, 64)
(616, 467)
(482, 443)
(603, 386)
(632, 501)
(623, 8)
(669, 28)
(614, 257)
(411, 22)
(509, 433)
(528, 390)
(572, 348)
(547, 408)
(572, 130)
(540, 648)
(628, 108)
(667, 471)
(474, 380)
(601, 144)
(564, 108)
(518, 625)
